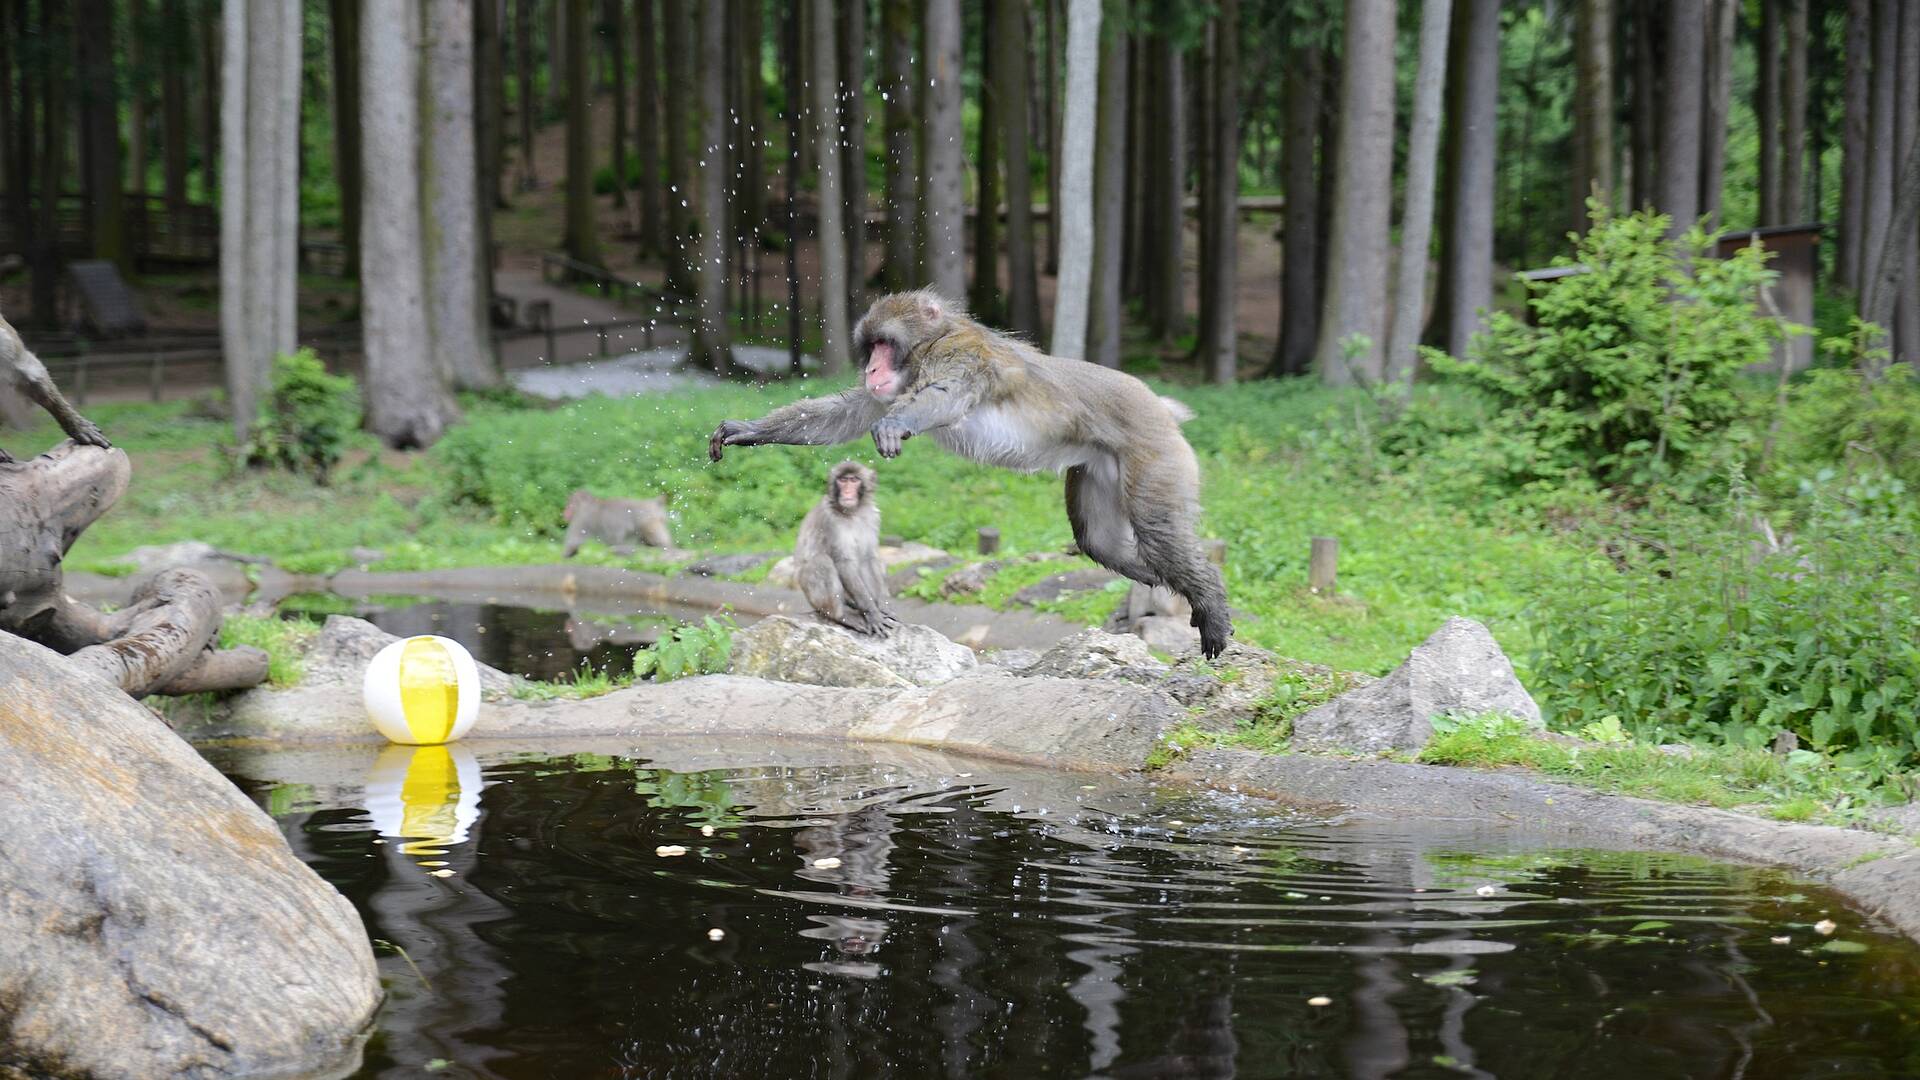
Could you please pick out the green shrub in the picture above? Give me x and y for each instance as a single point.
(702, 648)
(1845, 422)
(1703, 630)
(1627, 370)
(307, 418)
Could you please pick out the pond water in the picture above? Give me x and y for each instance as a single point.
(889, 912)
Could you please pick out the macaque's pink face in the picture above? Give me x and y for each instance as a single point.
(884, 377)
(567, 514)
(848, 488)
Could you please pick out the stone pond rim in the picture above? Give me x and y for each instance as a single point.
(1101, 702)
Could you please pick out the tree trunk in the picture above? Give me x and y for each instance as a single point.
(1204, 191)
(1075, 204)
(139, 79)
(1300, 228)
(1109, 201)
(833, 250)
(646, 127)
(1166, 287)
(1646, 105)
(524, 105)
(45, 250)
(1051, 65)
(1220, 336)
(1766, 109)
(1416, 222)
(1592, 108)
(611, 18)
(1352, 329)
(583, 232)
(752, 170)
(712, 338)
(1717, 91)
(407, 401)
(985, 298)
(454, 262)
(210, 88)
(1793, 123)
(1134, 230)
(1880, 160)
(1855, 156)
(852, 69)
(1466, 243)
(557, 54)
(943, 202)
(346, 126)
(1881, 288)
(790, 61)
(678, 34)
(490, 80)
(898, 87)
(97, 81)
(1680, 133)
(259, 205)
(1010, 76)
(1906, 322)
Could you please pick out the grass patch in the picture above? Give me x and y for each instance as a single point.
(587, 682)
(1176, 745)
(285, 642)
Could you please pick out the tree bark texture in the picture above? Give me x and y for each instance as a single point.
(1416, 221)
(1167, 135)
(1592, 108)
(1880, 143)
(712, 338)
(346, 126)
(1766, 109)
(852, 98)
(833, 251)
(1858, 106)
(1109, 201)
(407, 401)
(1220, 336)
(176, 60)
(456, 265)
(1793, 121)
(677, 39)
(259, 205)
(96, 83)
(898, 87)
(582, 240)
(525, 108)
(162, 642)
(984, 299)
(1466, 263)
(1010, 74)
(614, 25)
(1906, 124)
(1353, 325)
(1075, 205)
(1300, 228)
(943, 200)
(646, 126)
(1717, 98)
(1680, 128)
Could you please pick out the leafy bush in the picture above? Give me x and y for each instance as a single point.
(1844, 422)
(307, 418)
(1627, 369)
(1705, 630)
(702, 648)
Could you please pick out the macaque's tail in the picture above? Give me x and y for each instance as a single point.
(1181, 413)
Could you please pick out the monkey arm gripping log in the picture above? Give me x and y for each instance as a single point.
(162, 642)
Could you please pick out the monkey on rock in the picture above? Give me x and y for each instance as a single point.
(837, 554)
(1133, 486)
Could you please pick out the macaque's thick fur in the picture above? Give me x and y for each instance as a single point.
(837, 555)
(29, 377)
(1132, 487)
(615, 521)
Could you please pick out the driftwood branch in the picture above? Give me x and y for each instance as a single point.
(163, 642)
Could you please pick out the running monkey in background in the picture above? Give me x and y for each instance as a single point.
(1133, 486)
(837, 555)
(615, 522)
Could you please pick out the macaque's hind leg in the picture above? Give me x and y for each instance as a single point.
(1096, 509)
(1159, 506)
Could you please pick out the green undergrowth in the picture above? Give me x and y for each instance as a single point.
(587, 682)
(285, 642)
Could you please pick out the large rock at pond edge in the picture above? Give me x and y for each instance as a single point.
(1092, 653)
(821, 654)
(1460, 670)
(153, 922)
(325, 705)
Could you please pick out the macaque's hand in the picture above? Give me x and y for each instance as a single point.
(5, 458)
(86, 433)
(879, 623)
(729, 433)
(888, 434)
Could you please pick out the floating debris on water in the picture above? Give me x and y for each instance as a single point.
(1781, 940)
(1486, 890)
(440, 873)
(706, 830)
(827, 863)
(1319, 1002)
(669, 850)
(716, 934)
(1825, 927)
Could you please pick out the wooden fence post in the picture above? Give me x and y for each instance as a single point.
(1321, 562)
(989, 540)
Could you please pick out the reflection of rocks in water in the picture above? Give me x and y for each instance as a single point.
(849, 937)
(533, 644)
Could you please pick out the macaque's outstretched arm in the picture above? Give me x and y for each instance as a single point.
(923, 407)
(821, 421)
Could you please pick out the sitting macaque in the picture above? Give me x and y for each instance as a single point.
(837, 557)
(616, 521)
(28, 376)
(1133, 486)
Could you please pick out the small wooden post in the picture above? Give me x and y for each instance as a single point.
(1216, 551)
(603, 338)
(158, 373)
(1320, 564)
(989, 540)
(80, 380)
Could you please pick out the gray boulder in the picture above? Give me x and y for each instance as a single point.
(969, 579)
(153, 922)
(1048, 589)
(820, 653)
(1459, 671)
(727, 565)
(327, 702)
(1093, 653)
(1167, 633)
(900, 579)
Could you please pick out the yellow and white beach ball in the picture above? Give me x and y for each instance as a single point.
(426, 796)
(423, 691)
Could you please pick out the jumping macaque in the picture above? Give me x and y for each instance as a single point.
(1133, 486)
(615, 521)
(28, 376)
(837, 556)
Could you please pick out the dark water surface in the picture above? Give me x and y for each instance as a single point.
(985, 921)
(532, 642)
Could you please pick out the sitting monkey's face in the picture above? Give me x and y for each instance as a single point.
(889, 332)
(850, 484)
